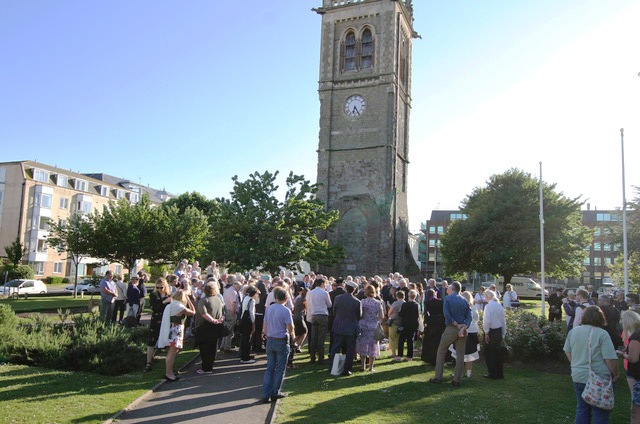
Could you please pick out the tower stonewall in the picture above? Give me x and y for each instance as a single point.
(365, 103)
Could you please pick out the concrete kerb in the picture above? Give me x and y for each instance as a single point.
(146, 394)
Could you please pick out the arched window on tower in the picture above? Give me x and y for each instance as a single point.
(349, 52)
(366, 60)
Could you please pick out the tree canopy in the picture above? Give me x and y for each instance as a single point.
(75, 237)
(255, 230)
(633, 246)
(501, 234)
(126, 232)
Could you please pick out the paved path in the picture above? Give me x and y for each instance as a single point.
(230, 395)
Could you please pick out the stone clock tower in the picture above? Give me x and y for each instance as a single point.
(365, 101)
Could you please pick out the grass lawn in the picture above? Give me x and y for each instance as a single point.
(400, 393)
(39, 395)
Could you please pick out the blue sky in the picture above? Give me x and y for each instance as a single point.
(185, 95)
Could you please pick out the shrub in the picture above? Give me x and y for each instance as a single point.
(54, 280)
(88, 345)
(533, 337)
(18, 271)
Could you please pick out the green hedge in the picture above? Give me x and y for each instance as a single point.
(87, 345)
(54, 280)
(18, 272)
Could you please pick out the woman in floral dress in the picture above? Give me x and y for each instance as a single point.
(366, 344)
(172, 329)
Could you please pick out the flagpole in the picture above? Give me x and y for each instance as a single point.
(624, 220)
(542, 278)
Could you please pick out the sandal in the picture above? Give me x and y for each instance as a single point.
(147, 367)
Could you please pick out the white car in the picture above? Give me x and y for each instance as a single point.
(20, 287)
(84, 286)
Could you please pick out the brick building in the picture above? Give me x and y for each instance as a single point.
(33, 194)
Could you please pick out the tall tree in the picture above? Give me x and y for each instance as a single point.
(15, 251)
(255, 230)
(501, 234)
(126, 233)
(633, 246)
(75, 238)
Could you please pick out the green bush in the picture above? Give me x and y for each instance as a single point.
(8, 330)
(87, 345)
(18, 271)
(533, 337)
(54, 280)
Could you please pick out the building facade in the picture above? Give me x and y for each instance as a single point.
(32, 195)
(602, 251)
(365, 102)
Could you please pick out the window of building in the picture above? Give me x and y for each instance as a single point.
(82, 269)
(84, 206)
(607, 247)
(119, 194)
(597, 261)
(587, 261)
(64, 203)
(457, 216)
(606, 231)
(432, 243)
(82, 185)
(39, 268)
(366, 60)
(597, 232)
(40, 175)
(118, 270)
(44, 223)
(42, 246)
(440, 229)
(608, 261)
(43, 200)
(62, 222)
(134, 197)
(104, 191)
(597, 246)
(57, 267)
(617, 247)
(62, 180)
(350, 52)
(432, 229)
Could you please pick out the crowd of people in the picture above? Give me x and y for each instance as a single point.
(360, 316)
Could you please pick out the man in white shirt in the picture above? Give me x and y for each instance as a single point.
(494, 325)
(318, 302)
(231, 296)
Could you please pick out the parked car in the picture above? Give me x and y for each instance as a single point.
(84, 286)
(20, 287)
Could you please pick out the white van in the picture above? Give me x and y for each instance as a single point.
(525, 287)
(21, 287)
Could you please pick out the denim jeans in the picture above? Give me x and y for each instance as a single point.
(277, 354)
(584, 411)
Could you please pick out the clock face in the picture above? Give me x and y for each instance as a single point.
(355, 106)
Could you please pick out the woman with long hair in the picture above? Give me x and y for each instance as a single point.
(366, 344)
(159, 299)
(172, 329)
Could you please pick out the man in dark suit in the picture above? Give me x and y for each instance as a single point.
(260, 309)
(332, 295)
(347, 311)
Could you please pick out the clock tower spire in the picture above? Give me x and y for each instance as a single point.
(365, 101)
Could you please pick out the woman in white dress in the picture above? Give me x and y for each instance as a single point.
(172, 329)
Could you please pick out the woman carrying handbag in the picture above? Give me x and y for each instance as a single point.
(593, 360)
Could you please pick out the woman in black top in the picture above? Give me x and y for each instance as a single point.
(409, 315)
(434, 326)
(159, 299)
